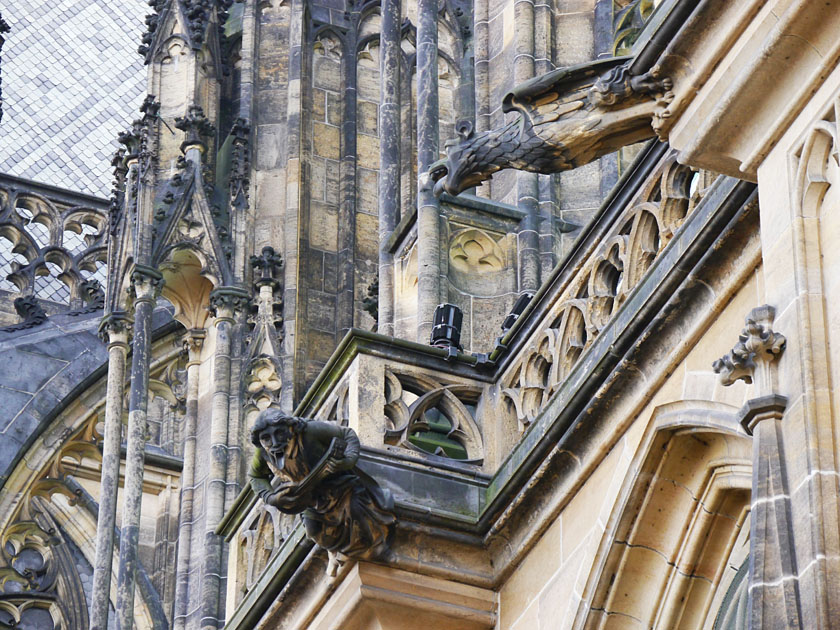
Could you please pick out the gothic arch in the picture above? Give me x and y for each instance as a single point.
(48, 510)
(685, 504)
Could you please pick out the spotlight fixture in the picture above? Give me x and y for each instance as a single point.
(518, 306)
(446, 328)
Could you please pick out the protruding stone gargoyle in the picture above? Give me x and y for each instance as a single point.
(568, 118)
(308, 467)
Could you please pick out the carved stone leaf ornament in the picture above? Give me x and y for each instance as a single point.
(756, 341)
(30, 311)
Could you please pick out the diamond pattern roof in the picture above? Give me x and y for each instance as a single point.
(72, 80)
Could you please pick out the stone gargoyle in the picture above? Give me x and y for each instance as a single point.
(308, 467)
(567, 118)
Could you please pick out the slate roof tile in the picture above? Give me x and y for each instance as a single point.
(72, 80)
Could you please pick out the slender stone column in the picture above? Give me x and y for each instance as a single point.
(527, 183)
(146, 284)
(192, 344)
(481, 28)
(389, 156)
(774, 584)
(543, 50)
(774, 577)
(115, 330)
(224, 303)
(428, 213)
(345, 299)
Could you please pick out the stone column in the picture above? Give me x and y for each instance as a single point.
(481, 29)
(389, 156)
(774, 586)
(345, 299)
(527, 183)
(193, 345)
(146, 283)
(115, 330)
(225, 302)
(543, 52)
(428, 213)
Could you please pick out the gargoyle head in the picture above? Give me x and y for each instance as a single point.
(273, 431)
(457, 172)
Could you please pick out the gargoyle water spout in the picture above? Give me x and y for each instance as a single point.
(568, 118)
(343, 509)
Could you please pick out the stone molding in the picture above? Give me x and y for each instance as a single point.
(755, 410)
(400, 599)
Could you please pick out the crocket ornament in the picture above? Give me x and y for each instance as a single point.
(567, 118)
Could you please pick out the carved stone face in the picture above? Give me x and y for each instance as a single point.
(273, 440)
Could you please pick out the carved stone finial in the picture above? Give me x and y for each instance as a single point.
(132, 139)
(150, 106)
(757, 348)
(269, 264)
(196, 126)
(343, 509)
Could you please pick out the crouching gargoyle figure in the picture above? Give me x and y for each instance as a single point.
(568, 118)
(343, 509)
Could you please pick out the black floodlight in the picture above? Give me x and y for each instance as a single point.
(519, 306)
(446, 327)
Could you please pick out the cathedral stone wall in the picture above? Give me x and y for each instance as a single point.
(649, 443)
